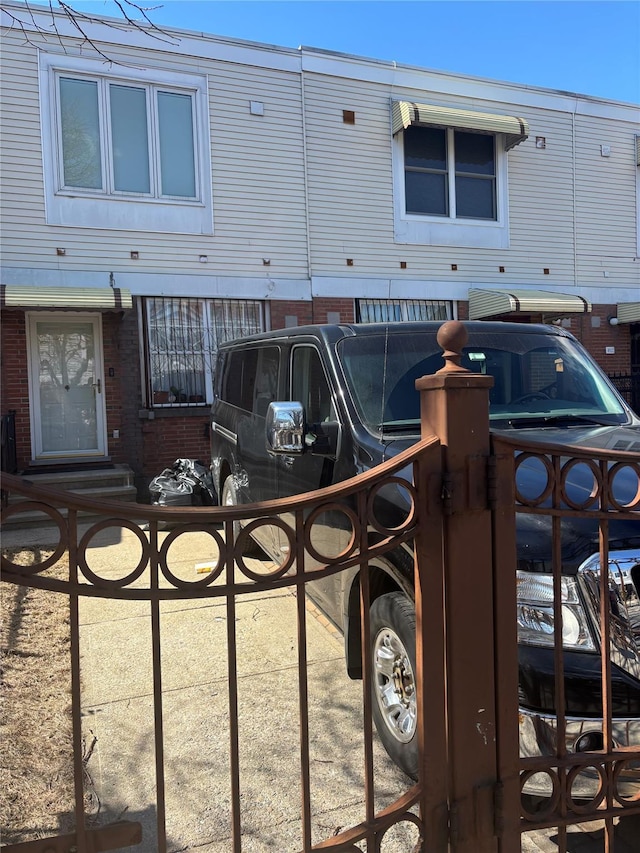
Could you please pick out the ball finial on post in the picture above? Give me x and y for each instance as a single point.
(452, 337)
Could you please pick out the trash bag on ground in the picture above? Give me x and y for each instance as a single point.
(186, 483)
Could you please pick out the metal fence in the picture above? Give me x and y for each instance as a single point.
(9, 462)
(463, 493)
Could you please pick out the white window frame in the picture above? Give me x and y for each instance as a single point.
(108, 208)
(447, 230)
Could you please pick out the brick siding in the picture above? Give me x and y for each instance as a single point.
(596, 338)
(302, 311)
(14, 381)
(344, 307)
(149, 444)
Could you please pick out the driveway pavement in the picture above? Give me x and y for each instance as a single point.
(116, 667)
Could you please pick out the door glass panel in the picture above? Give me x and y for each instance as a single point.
(66, 358)
(129, 139)
(80, 133)
(266, 385)
(309, 386)
(177, 165)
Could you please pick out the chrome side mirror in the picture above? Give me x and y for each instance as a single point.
(285, 428)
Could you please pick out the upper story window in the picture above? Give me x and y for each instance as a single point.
(125, 149)
(450, 175)
(118, 138)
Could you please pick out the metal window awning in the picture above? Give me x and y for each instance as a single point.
(406, 113)
(549, 303)
(628, 312)
(96, 298)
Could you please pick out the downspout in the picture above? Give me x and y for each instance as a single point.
(575, 225)
(306, 176)
(573, 180)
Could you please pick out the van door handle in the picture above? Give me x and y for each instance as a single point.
(288, 461)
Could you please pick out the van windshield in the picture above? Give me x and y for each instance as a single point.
(539, 379)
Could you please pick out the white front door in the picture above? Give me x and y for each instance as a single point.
(66, 386)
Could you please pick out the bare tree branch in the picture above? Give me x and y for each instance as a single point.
(27, 22)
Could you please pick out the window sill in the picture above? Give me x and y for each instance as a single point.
(464, 234)
(180, 217)
(194, 410)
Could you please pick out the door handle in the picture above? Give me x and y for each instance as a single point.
(97, 386)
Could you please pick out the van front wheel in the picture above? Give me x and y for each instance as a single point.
(230, 498)
(393, 684)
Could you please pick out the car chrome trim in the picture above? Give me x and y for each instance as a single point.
(225, 433)
(538, 737)
(623, 584)
(285, 428)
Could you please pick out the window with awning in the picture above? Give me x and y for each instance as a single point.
(450, 171)
(407, 114)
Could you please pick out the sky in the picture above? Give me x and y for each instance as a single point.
(583, 46)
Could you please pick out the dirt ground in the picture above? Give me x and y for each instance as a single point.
(36, 769)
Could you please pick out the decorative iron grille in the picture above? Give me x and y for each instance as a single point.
(402, 310)
(183, 336)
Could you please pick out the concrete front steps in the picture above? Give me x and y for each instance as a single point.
(115, 482)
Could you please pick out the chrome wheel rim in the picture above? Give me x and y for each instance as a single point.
(394, 685)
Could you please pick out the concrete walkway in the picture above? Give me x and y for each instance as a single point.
(117, 682)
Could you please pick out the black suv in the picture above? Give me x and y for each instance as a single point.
(299, 409)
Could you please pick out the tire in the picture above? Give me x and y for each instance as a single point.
(393, 687)
(230, 498)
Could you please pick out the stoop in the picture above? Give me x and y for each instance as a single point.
(115, 482)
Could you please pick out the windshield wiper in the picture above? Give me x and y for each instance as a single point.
(545, 420)
(399, 426)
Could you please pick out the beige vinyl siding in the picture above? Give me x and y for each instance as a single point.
(22, 198)
(606, 215)
(541, 202)
(349, 176)
(257, 165)
(258, 181)
(605, 188)
(350, 171)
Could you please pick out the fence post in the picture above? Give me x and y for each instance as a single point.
(455, 407)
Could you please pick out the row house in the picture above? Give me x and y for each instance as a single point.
(162, 194)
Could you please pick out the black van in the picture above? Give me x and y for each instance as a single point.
(303, 408)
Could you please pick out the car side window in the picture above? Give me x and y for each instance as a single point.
(239, 378)
(309, 385)
(266, 383)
